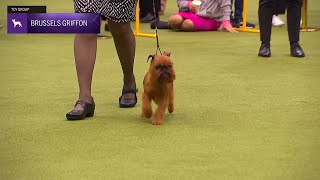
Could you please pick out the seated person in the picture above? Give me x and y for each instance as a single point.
(210, 16)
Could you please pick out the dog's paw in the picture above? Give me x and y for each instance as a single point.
(157, 122)
(170, 108)
(146, 114)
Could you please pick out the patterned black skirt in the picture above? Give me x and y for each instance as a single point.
(116, 10)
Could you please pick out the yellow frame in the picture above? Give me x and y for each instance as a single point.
(244, 24)
(304, 25)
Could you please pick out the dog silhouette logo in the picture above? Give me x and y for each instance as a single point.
(16, 23)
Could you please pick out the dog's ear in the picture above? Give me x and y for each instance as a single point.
(151, 56)
(167, 53)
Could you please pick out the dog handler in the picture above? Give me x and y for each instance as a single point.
(119, 14)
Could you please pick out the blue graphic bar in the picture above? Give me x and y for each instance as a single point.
(66, 23)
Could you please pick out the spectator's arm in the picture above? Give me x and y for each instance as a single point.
(227, 26)
(226, 9)
(183, 5)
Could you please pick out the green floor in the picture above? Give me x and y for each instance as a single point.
(237, 116)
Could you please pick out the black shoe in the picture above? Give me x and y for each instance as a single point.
(249, 25)
(88, 111)
(264, 50)
(237, 23)
(128, 103)
(160, 25)
(148, 18)
(296, 50)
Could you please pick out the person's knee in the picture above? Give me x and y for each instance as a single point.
(187, 25)
(116, 27)
(175, 21)
(86, 36)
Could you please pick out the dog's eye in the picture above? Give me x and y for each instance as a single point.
(169, 66)
(158, 67)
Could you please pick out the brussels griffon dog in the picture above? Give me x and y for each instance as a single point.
(158, 87)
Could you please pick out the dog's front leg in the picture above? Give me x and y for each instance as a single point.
(146, 106)
(159, 114)
(171, 99)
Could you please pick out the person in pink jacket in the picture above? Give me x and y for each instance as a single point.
(210, 15)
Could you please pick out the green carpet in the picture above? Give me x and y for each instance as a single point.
(237, 116)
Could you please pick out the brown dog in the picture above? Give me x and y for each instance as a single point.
(158, 87)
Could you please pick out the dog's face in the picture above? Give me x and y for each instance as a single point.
(161, 68)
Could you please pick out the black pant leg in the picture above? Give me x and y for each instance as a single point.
(293, 18)
(146, 7)
(265, 19)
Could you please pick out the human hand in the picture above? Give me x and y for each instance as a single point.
(193, 8)
(227, 26)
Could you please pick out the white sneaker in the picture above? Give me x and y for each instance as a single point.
(276, 21)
